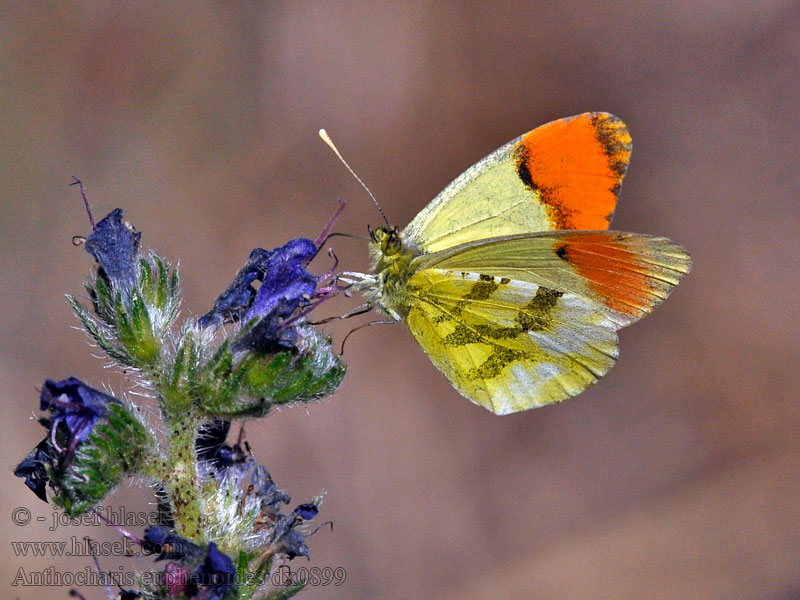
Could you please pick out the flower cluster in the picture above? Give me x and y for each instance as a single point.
(222, 532)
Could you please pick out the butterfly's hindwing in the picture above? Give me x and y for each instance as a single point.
(509, 345)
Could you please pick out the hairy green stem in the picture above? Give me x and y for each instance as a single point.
(181, 479)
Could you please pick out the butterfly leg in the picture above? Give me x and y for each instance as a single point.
(352, 331)
(359, 310)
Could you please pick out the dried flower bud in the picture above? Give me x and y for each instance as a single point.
(114, 246)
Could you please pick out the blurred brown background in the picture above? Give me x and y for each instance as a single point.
(675, 477)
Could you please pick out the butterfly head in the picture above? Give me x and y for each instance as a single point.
(387, 239)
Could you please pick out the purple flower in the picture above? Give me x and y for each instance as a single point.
(293, 544)
(266, 490)
(114, 245)
(271, 333)
(77, 406)
(285, 279)
(285, 286)
(34, 468)
(169, 546)
(306, 511)
(288, 540)
(233, 303)
(122, 595)
(215, 575)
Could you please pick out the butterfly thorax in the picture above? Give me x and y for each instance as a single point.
(386, 285)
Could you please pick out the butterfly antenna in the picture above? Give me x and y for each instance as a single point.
(327, 139)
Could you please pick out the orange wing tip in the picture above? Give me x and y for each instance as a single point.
(613, 136)
(576, 165)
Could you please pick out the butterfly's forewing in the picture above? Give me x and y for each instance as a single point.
(509, 345)
(563, 175)
(626, 274)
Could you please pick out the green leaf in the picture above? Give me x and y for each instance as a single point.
(146, 284)
(98, 335)
(102, 299)
(164, 292)
(135, 332)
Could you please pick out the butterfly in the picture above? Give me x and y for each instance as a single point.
(509, 279)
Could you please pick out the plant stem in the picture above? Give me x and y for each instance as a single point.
(181, 479)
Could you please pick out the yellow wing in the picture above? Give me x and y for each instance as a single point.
(563, 175)
(509, 345)
(525, 321)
